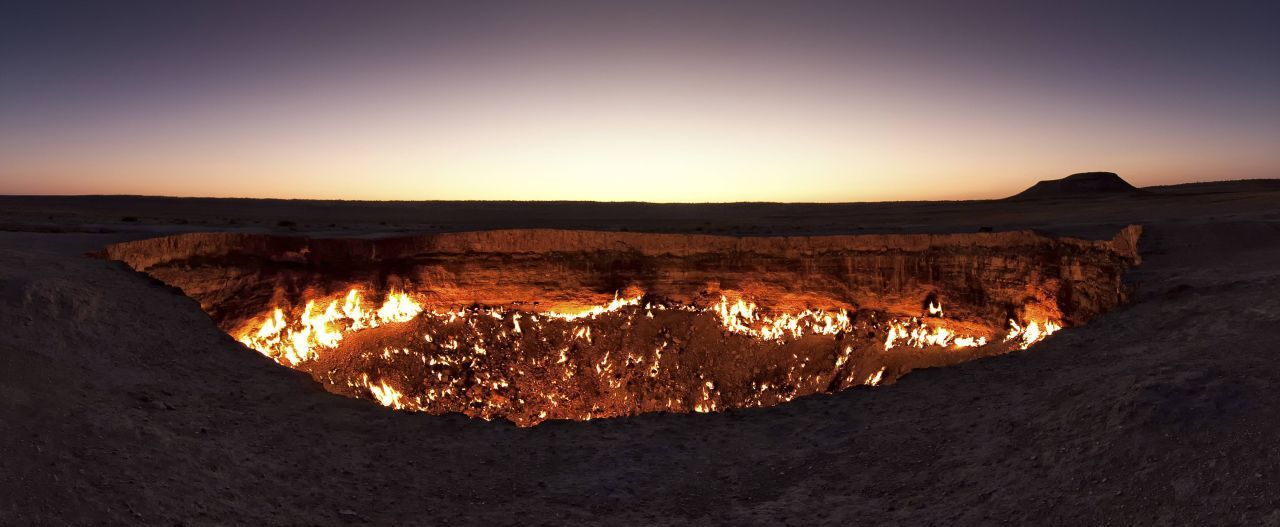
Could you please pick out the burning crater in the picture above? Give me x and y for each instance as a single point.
(531, 325)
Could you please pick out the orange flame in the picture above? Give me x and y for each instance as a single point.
(295, 341)
(741, 318)
(1025, 336)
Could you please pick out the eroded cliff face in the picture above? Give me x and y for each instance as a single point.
(541, 324)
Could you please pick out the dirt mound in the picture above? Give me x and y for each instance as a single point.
(1082, 184)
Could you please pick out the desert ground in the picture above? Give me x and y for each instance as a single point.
(122, 403)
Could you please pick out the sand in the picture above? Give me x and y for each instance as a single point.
(122, 403)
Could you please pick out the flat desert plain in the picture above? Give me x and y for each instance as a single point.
(122, 403)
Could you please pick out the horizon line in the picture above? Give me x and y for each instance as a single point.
(551, 201)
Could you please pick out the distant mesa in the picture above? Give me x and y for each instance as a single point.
(1079, 185)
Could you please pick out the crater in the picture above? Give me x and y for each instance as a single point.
(531, 325)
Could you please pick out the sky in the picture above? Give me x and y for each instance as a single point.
(631, 101)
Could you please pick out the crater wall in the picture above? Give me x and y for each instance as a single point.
(531, 325)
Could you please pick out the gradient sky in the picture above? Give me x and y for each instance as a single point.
(651, 101)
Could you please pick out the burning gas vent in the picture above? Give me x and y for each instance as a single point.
(536, 325)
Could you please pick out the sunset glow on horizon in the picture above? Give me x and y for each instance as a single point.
(703, 102)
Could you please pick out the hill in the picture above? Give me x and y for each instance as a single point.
(1082, 184)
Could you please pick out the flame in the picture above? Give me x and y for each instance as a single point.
(918, 334)
(398, 308)
(1033, 332)
(296, 341)
(915, 333)
(874, 379)
(616, 304)
(386, 395)
(741, 317)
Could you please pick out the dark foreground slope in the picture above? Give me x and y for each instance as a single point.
(122, 403)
